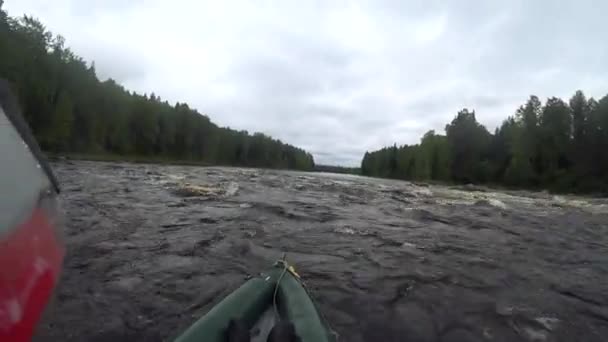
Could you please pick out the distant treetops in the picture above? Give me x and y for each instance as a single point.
(558, 145)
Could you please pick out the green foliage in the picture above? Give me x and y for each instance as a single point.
(579, 107)
(428, 160)
(467, 141)
(560, 146)
(555, 137)
(60, 125)
(71, 111)
(598, 139)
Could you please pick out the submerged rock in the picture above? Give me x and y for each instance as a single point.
(191, 190)
(195, 190)
(492, 202)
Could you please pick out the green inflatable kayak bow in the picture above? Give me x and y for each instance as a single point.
(275, 295)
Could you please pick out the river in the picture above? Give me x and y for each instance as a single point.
(151, 248)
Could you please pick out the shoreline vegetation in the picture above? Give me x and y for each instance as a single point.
(71, 111)
(558, 146)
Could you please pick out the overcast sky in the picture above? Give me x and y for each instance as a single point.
(339, 77)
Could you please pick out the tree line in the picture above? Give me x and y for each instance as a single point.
(337, 169)
(71, 111)
(557, 145)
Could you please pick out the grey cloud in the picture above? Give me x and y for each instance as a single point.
(301, 69)
(93, 7)
(488, 100)
(123, 68)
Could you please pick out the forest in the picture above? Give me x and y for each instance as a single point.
(71, 111)
(557, 145)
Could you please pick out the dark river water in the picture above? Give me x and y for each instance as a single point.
(152, 248)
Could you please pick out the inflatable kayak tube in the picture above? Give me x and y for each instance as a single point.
(277, 292)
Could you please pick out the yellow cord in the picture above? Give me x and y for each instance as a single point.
(292, 270)
(276, 289)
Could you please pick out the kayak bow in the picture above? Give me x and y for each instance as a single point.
(279, 290)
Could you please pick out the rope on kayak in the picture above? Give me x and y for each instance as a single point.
(276, 288)
(288, 268)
